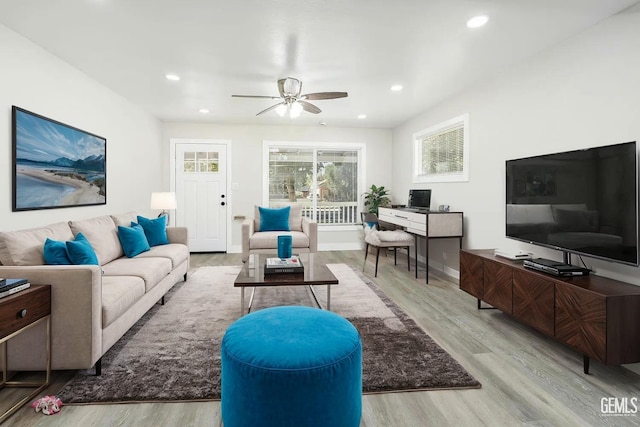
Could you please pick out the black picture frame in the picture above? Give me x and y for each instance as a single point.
(55, 165)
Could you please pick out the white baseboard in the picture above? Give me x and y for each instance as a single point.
(355, 246)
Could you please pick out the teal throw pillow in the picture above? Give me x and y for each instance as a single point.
(81, 252)
(133, 240)
(274, 219)
(154, 229)
(55, 252)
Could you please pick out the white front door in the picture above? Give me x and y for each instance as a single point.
(201, 192)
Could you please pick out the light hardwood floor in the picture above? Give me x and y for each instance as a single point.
(527, 378)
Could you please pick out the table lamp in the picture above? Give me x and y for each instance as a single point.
(164, 202)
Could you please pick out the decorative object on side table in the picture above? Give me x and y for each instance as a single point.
(11, 286)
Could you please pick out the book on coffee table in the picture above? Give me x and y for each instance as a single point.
(283, 265)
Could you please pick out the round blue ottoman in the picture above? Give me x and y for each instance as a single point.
(291, 366)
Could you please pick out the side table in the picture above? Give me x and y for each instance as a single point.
(18, 313)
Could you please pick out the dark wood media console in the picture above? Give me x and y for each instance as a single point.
(598, 317)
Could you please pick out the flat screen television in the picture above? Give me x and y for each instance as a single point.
(583, 202)
(419, 199)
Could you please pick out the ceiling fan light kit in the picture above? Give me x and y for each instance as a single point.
(292, 101)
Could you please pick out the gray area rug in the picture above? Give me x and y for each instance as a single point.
(173, 352)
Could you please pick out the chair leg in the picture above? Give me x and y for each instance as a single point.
(395, 256)
(415, 241)
(377, 257)
(408, 258)
(366, 252)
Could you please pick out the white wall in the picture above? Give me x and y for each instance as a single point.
(35, 80)
(246, 165)
(584, 92)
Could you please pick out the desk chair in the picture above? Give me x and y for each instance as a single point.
(385, 239)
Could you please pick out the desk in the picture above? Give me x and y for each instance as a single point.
(18, 313)
(430, 225)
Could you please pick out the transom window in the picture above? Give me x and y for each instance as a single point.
(201, 161)
(441, 152)
(325, 179)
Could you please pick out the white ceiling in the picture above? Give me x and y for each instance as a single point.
(220, 48)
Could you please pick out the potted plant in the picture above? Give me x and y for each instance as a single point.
(375, 198)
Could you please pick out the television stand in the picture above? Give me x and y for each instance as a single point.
(596, 316)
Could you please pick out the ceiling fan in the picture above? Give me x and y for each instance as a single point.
(292, 100)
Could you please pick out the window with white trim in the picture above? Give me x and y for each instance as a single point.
(325, 178)
(441, 152)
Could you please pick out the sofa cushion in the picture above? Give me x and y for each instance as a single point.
(26, 247)
(176, 252)
(133, 240)
(119, 293)
(155, 230)
(124, 219)
(151, 270)
(80, 251)
(389, 238)
(269, 240)
(55, 252)
(103, 235)
(274, 219)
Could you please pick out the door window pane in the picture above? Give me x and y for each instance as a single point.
(201, 162)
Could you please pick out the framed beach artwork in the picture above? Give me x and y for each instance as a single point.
(56, 165)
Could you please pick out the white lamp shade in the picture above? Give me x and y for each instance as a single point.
(163, 201)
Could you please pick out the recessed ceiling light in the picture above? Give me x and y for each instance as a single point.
(172, 77)
(204, 111)
(396, 88)
(362, 116)
(477, 21)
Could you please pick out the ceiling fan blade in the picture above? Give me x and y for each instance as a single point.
(273, 107)
(324, 95)
(255, 96)
(310, 108)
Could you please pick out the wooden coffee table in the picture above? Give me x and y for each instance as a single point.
(316, 272)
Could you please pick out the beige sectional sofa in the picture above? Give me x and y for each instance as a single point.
(92, 305)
